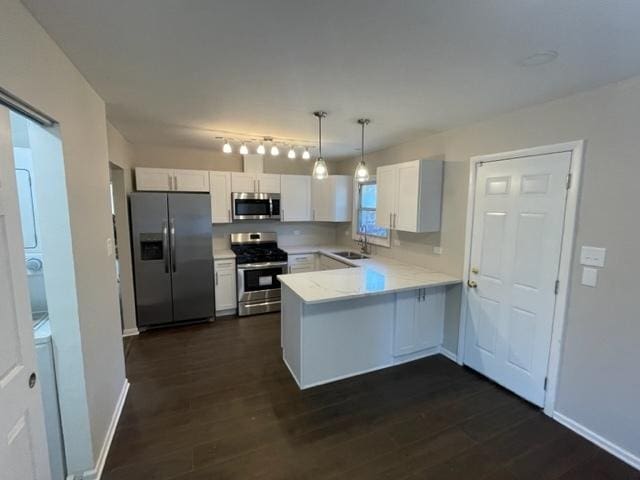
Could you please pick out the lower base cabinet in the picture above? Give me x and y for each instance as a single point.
(225, 285)
(419, 320)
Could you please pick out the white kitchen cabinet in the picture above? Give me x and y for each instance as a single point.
(191, 180)
(295, 198)
(243, 182)
(328, 263)
(255, 182)
(220, 190)
(171, 180)
(302, 263)
(419, 320)
(225, 285)
(268, 183)
(154, 179)
(332, 198)
(410, 196)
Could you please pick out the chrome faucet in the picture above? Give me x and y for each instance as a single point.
(365, 248)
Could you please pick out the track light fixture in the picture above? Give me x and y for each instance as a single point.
(244, 150)
(274, 150)
(226, 148)
(306, 155)
(292, 153)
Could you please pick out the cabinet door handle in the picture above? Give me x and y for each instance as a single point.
(229, 213)
(258, 186)
(175, 182)
(170, 180)
(390, 220)
(418, 294)
(216, 278)
(282, 214)
(395, 219)
(424, 294)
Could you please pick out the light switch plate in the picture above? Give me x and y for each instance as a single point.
(589, 276)
(592, 256)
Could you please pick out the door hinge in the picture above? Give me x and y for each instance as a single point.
(568, 181)
(556, 289)
(546, 379)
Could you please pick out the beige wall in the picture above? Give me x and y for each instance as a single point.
(36, 70)
(161, 156)
(121, 160)
(598, 384)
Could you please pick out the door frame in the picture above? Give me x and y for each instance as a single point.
(576, 148)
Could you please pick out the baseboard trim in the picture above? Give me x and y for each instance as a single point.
(449, 354)
(96, 473)
(130, 332)
(599, 440)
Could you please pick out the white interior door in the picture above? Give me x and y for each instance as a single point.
(23, 447)
(515, 255)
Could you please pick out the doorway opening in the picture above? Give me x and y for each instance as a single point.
(46, 233)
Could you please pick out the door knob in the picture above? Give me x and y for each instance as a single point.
(32, 380)
(471, 284)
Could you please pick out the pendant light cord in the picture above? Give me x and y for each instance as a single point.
(320, 136)
(362, 149)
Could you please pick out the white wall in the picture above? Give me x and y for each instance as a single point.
(598, 384)
(36, 70)
(121, 156)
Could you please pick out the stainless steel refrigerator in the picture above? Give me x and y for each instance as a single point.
(172, 257)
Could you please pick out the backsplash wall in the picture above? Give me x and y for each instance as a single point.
(289, 234)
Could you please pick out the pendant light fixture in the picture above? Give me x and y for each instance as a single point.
(243, 149)
(260, 150)
(306, 155)
(362, 172)
(292, 153)
(275, 151)
(320, 171)
(226, 148)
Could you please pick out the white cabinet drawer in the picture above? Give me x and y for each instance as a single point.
(302, 259)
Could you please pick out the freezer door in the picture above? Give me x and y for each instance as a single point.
(151, 262)
(190, 233)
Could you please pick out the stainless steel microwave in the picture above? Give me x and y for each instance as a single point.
(256, 206)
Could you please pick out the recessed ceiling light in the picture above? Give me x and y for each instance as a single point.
(539, 58)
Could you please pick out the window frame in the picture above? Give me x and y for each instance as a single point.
(372, 239)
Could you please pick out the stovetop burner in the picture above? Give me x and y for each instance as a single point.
(257, 248)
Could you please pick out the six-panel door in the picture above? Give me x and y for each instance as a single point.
(515, 254)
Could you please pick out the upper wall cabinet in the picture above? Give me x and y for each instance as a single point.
(331, 198)
(295, 198)
(255, 182)
(410, 196)
(171, 180)
(220, 189)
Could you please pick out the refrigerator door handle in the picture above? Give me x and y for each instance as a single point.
(165, 246)
(172, 230)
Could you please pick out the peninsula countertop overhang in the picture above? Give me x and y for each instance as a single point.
(367, 277)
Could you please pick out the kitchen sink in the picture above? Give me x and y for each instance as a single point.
(350, 255)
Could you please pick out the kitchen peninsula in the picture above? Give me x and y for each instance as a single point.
(371, 314)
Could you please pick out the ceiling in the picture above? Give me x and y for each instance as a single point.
(180, 72)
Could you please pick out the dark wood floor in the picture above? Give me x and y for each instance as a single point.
(216, 402)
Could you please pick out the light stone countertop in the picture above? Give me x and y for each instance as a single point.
(224, 254)
(372, 276)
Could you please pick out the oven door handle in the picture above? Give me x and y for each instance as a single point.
(259, 266)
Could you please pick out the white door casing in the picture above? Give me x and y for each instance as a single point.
(23, 447)
(516, 243)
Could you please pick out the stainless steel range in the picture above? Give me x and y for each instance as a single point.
(259, 262)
